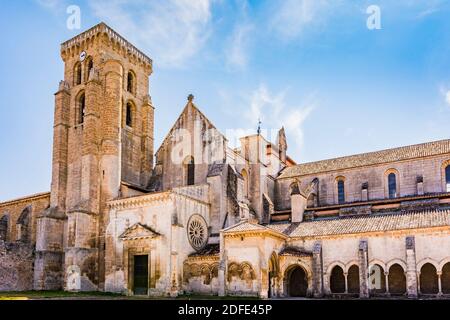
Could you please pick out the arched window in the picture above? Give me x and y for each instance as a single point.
(131, 79)
(392, 185)
(447, 178)
(190, 171)
(129, 115)
(429, 283)
(245, 176)
(81, 108)
(23, 230)
(445, 278)
(353, 279)
(294, 188)
(377, 279)
(4, 228)
(396, 279)
(77, 74)
(90, 66)
(337, 280)
(341, 191)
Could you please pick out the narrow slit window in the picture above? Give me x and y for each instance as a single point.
(129, 115)
(90, 66)
(130, 82)
(392, 184)
(447, 178)
(341, 191)
(77, 74)
(81, 108)
(191, 172)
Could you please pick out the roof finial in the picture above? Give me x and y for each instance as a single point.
(191, 97)
(259, 126)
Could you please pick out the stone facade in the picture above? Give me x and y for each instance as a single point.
(207, 218)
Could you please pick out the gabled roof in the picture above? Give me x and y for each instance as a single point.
(371, 158)
(188, 106)
(366, 223)
(244, 226)
(138, 231)
(249, 226)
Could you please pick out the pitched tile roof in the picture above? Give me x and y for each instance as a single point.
(366, 223)
(371, 158)
(209, 250)
(244, 226)
(294, 251)
(248, 226)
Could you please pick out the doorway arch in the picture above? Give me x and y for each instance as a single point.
(296, 282)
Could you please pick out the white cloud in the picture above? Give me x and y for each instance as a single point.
(54, 6)
(445, 93)
(447, 97)
(170, 31)
(274, 112)
(293, 17)
(48, 3)
(237, 52)
(238, 43)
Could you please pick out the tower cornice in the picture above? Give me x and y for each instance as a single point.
(103, 28)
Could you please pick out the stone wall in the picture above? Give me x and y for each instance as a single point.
(16, 266)
(13, 210)
(430, 168)
(383, 249)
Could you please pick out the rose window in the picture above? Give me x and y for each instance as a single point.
(197, 232)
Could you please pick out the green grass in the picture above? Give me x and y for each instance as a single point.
(17, 295)
(207, 297)
(27, 295)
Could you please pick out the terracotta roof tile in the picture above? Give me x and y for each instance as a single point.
(371, 158)
(367, 223)
(294, 251)
(209, 250)
(245, 226)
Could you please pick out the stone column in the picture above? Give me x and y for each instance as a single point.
(386, 281)
(317, 271)
(346, 282)
(264, 288)
(439, 274)
(411, 267)
(264, 276)
(222, 267)
(363, 260)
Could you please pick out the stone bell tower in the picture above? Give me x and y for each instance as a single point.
(103, 137)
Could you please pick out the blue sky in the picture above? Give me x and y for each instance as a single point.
(312, 66)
